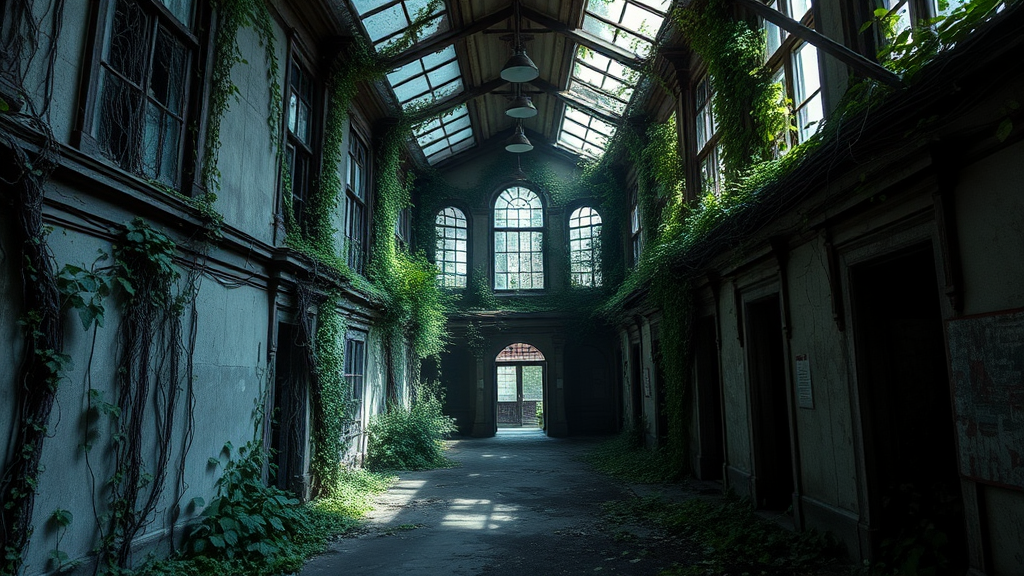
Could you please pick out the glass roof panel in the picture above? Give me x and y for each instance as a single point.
(386, 23)
(584, 134)
(446, 135)
(425, 80)
(601, 84)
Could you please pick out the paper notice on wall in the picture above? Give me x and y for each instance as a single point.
(804, 394)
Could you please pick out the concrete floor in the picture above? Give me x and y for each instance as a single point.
(520, 503)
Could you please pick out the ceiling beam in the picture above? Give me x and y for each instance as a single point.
(451, 36)
(823, 43)
(454, 100)
(584, 38)
(570, 99)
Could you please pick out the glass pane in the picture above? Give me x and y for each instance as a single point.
(809, 117)
(533, 383)
(507, 387)
(128, 46)
(182, 10)
(385, 23)
(167, 81)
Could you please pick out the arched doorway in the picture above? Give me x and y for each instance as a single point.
(520, 382)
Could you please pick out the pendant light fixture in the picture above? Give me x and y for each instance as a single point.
(518, 142)
(519, 67)
(521, 106)
(518, 173)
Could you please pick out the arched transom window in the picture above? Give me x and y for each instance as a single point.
(585, 247)
(450, 253)
(518, 240)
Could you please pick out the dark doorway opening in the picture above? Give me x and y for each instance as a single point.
(910, 456)
(288, 413)
(636, 395)
(773, 457)
(660, 396)
(711, 443)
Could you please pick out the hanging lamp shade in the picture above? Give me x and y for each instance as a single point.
(518, 142)
(521, 107)
(519, 68)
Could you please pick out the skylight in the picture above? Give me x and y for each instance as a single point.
(603, 84)
(386, 22)
(629, 24)
(442, 137)
(583, 133)
(423, 81)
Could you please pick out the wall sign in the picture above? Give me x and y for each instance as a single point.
(804, 393)
(986, 359)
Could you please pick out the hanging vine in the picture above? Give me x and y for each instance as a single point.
(747, 111)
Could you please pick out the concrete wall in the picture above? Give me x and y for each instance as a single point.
(245, 286)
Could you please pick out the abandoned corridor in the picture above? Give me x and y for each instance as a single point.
(518, 503)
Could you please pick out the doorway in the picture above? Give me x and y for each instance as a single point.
(288, 413)
(773, 456)
(913, 485)
(711, 443)
(520, 387)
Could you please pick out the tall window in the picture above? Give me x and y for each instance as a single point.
(708, 150)
(143, 88)
(355, 367)
(518, 240)
(795, 65)
(356, 191)
(450, 253)
(298, 145)
(585, 247)
(636, 229)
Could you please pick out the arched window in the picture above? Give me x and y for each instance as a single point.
(450, 255)
(518, 240)
(585, 247)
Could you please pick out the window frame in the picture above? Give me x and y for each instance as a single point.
(596, 249)
(197, 39)
(783, 60)
(439, 260)
(355, 381)
(494, 236)
(711, 150)
(357, 260)
(636, 225)
(312, 149)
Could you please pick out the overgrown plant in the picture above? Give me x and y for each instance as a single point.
(732, 537)
(411, 438)
(747, 112)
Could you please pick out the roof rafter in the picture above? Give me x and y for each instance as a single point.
(442, 40)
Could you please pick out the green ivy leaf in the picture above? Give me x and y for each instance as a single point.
(1004, 129)
(4, 106)
(62, 517)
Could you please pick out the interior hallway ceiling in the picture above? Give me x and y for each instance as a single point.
(588, 53)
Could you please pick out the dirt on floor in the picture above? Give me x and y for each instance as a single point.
(518, 503)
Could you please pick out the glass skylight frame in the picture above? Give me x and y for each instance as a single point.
(386, 23)
(602, 83)
(442, 137)
(426, 80)
(583, 133)
(624, 22)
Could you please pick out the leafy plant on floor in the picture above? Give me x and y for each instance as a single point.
(411, 438)
(626, 458)
(255, 529)
(733, 538)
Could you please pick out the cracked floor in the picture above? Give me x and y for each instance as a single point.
(518, 503)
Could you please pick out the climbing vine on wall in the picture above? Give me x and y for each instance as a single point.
(232, 17)
(748, 111)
